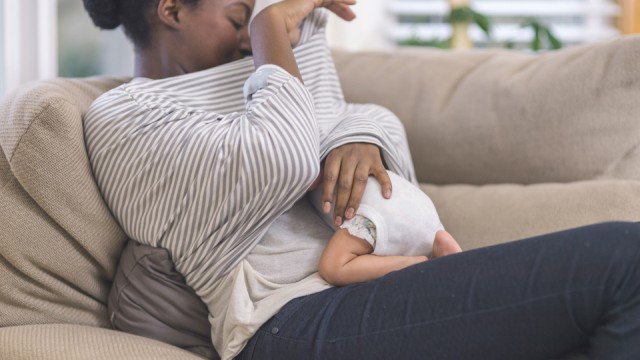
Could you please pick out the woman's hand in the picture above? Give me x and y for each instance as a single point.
(294, 11)
(275, 28)
(348, 167)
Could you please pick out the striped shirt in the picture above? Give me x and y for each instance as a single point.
(202, 164)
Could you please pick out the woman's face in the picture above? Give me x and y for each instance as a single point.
(215, 32)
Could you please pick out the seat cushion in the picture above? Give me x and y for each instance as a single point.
(74, 342)
(480, 216)
(58, 240)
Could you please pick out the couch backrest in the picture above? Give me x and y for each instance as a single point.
(58, 241)
(498, 116)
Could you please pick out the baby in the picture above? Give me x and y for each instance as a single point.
(385, 235)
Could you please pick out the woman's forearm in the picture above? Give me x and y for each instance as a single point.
(270, 41)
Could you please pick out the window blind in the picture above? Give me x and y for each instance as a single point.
(572, 21)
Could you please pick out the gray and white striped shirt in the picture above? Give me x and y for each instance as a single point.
(194, 165)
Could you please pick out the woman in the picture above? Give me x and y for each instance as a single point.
(539, 298)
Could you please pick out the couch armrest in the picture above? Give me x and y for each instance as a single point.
(495, 116)
(69, 342)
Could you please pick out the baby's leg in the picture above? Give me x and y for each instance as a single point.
(347, 259)
(444, 244)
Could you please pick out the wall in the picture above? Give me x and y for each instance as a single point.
(85, 50)
(367, 32)
(2, 81)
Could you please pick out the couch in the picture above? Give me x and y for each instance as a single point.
(507, 144)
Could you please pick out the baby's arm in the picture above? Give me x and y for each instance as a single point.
(347, 259)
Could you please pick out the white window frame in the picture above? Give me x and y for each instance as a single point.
(2, 51)
(594, 13)
(30, 45)
(47, 38)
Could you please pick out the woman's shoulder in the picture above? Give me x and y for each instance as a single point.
(137, 96)
(106, 102)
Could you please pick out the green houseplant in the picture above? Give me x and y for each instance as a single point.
(462, 15)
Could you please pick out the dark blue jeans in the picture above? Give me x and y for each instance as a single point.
(538, 298)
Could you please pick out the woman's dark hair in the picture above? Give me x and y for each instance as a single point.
(133, 15)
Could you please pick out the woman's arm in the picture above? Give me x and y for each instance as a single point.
(347, 167)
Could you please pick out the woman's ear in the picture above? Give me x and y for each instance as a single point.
(169, 11)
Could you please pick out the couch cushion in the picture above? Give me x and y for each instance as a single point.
(480, 216)
(70, 342)
(151, 299)
(498, 116)
(58, 241)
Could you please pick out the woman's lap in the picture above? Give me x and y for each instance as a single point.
(532, 299)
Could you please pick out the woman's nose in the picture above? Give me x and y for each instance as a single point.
(245, 42)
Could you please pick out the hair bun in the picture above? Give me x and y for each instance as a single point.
(104, 13)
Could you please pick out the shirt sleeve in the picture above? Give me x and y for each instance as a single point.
(205, 186)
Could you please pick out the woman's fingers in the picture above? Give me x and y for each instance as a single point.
(294, 11)
(345, 189)
(328, 3)
(346, 171)
(342, 8)
(343, 11)
(331, 171)
(360, 177)
(381, 174)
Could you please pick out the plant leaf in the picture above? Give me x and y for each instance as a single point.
(460, 14)
(553, 40)
(535, 43)
(483, 22)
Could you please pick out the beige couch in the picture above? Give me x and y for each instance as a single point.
(507, 144)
